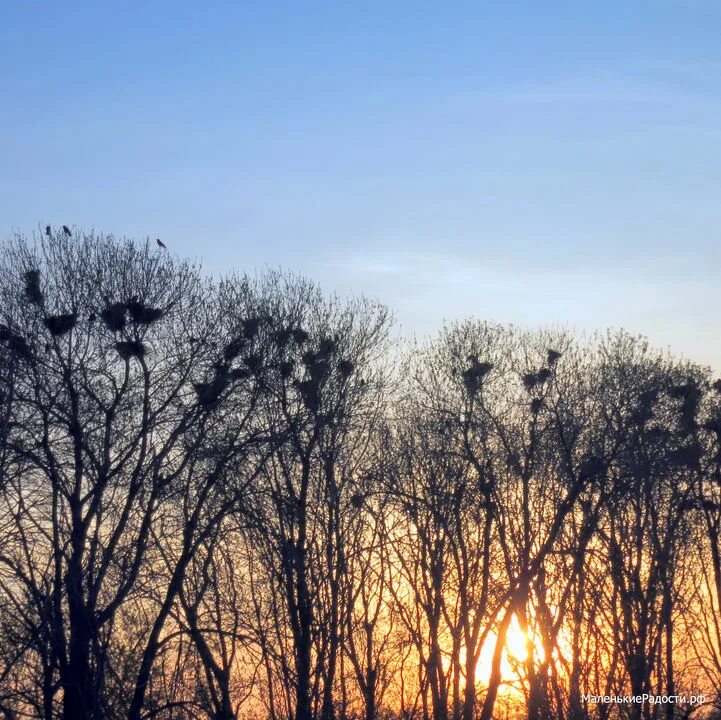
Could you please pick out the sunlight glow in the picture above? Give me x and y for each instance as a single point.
(515, 653)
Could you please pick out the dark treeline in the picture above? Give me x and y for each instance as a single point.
(242, 499)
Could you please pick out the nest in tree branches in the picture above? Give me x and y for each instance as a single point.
(345, 368)
(142, 314)
(32, 287)
(59, 325)
(553, 356)
(233, 348)
(250, 328)
(114, 316)
(473, 376)
(130, 348)
(286, 368)
(15, 343)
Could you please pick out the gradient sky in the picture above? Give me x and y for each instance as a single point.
(554, 163)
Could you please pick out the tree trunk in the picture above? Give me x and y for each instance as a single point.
(76, 678)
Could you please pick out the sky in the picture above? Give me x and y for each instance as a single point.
(536, 163)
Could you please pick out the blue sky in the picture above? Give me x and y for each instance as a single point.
(528, 162)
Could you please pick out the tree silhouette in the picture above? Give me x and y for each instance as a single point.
(239, 498)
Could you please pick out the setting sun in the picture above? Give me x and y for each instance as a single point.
(515, 652)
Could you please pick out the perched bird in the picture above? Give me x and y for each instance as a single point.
(66, 230)
(161, 244)
(48, 230)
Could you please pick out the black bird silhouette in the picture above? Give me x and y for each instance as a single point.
(161, 243)
(66, 230)
(48, 230)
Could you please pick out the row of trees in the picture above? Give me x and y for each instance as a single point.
(239, 498)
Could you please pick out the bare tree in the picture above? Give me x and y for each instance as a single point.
(320, 410)
(225, 499)
(107, 432)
